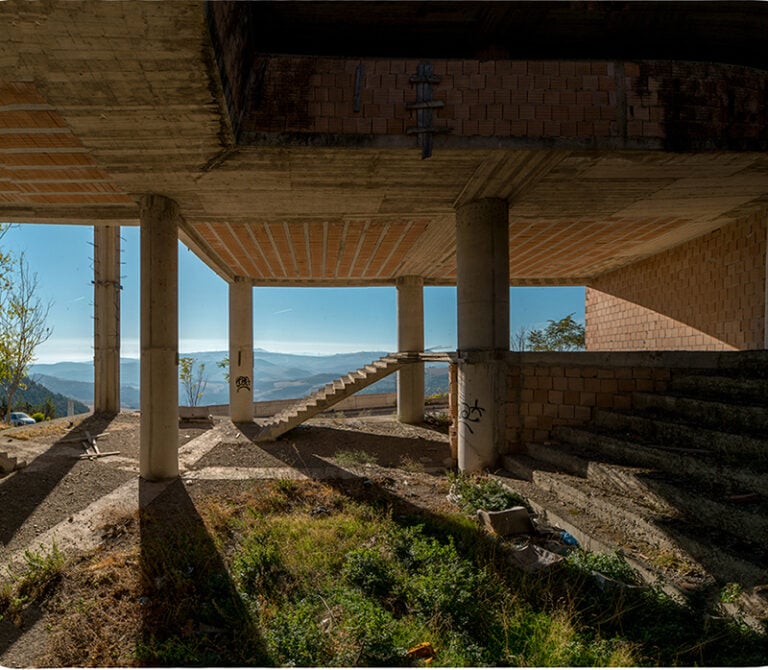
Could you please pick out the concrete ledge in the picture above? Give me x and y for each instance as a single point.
(660, 359)
(271, 407)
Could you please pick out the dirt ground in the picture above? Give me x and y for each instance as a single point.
(65, 496)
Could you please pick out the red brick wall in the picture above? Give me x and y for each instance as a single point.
(650, 104)
(707, 294)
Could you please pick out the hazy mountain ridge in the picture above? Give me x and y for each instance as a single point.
(37, 392)
(276, 376)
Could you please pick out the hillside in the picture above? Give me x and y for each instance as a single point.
(33, 397)
(276, 376)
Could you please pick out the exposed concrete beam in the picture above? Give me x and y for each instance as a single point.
(204, 252)
(73, 216)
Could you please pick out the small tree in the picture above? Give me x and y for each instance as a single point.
(519, 339)
(49, 409)
(22, 329)
(224, 365)
(563, 335)
(193, 380)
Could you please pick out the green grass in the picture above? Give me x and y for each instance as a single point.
(265, 580)
(354, 457)
(41, 572)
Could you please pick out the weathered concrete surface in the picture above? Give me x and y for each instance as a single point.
(103, 102)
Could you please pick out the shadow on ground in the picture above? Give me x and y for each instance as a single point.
(193, 613)
(301, 447)
(23, 492)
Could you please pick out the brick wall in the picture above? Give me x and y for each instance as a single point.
(658, 104)
(544, 395)
(548, 389)
(707, 294)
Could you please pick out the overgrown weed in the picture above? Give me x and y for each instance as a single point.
(354, 457)
(474, 492)
(301, 574)
(33, 583)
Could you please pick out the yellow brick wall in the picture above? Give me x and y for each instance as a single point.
(707, 294)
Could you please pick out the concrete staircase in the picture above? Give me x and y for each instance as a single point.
(679, 483)
(9, 463)
(331, 394)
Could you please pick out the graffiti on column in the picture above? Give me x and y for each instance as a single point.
(470, 414)
(243, 382)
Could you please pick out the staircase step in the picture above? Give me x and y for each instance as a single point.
(708, 504)
(735, 388)
(665, 543)
(329, 395)
(732, 448)
(698, 464)
(710, 413)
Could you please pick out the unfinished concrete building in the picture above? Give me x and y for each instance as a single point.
(619, 146)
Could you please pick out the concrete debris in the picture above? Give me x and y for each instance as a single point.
(512, 521)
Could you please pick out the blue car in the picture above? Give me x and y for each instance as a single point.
(21, 419)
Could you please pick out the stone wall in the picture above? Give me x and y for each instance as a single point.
(707, 294)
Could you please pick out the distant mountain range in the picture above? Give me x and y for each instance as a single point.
(276, 376)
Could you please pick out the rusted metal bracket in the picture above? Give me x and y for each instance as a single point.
(424, 79)
(358, 87)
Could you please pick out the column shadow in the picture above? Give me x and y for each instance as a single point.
(26, 489)
(193, 614)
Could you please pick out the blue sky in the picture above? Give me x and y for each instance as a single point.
(292, 320)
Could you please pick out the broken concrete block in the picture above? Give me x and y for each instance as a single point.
(512, 521)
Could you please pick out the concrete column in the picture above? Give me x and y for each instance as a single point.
(482, 292)
(158, 457)
(410, 338)
(241, 350)
(106, 322)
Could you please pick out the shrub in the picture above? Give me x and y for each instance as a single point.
(472, 493)
(38, 417)
(440, 583)
(368, 634)
(369, 571)
(294, 636)
(258, 566)
(610, 565)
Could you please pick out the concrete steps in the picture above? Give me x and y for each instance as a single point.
(646, 428)
(679, 483)
(329, 395)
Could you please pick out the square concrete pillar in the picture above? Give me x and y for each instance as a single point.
(241, 350)
(106, 322)
(158, 454)
(482, 292)
(410, 339)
